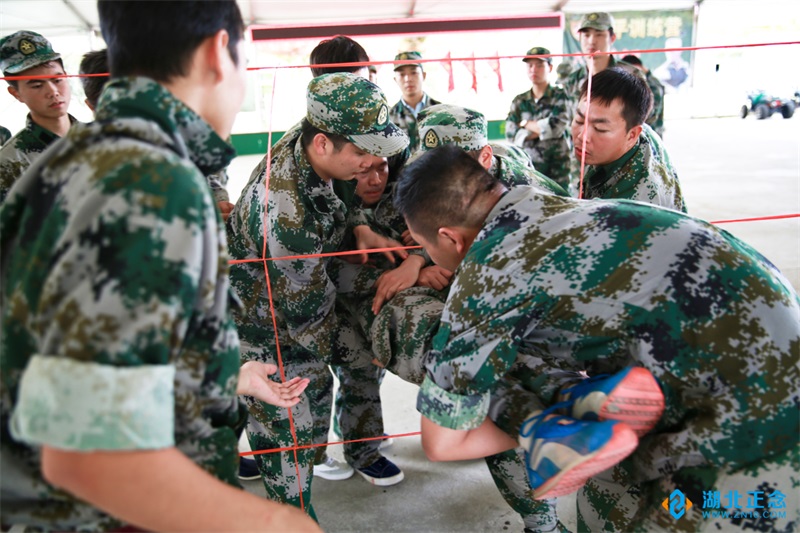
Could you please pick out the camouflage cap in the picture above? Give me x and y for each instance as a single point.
(355, 108)
(538, 51)
(448, 124)
(23, 50)
(409, 56)
(598, 21)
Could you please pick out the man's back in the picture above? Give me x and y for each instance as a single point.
(108, 231)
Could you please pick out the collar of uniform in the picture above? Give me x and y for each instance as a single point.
(190, 135)
(320, 193)
(605, 172)
(40, 134)
(419, 107)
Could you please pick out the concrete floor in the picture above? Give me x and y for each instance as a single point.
(729, 169)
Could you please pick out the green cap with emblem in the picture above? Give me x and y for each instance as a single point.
(449, 124)
(538, 51)
(351, 106)
(598, 21)
(23, 50)
(410, 57)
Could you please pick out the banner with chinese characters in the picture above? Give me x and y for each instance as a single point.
(647, 30)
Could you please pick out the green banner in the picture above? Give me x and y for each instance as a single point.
(647, 30)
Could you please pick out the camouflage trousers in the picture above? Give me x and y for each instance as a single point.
(401, 338)
(760, 497)
(357, 414)
(553, 159)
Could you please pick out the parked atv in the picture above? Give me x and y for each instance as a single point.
(763, 105)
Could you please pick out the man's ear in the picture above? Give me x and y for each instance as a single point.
(633, 134)
(452, 237)
(321, 144)
(485, 157)
(217, 53)
(13, 91)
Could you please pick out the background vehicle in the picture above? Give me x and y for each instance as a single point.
(763, 105)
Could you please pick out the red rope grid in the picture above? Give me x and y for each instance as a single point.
(264, 259)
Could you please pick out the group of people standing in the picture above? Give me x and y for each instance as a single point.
(617, 348)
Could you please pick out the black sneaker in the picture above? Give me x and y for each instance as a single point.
(382, 472)
(248, 469)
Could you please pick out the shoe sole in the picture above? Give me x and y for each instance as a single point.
(250, 478)
(335, 477)
(571, 478)
(383, 482)
(637, 401)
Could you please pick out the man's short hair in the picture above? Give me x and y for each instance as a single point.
(95, 62)
(632, 60)
(339, 49)
(440, 188)
(158, 39)
(308, 131)
(631, 89)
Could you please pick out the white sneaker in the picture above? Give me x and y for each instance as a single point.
(385, 443)
(333, 470)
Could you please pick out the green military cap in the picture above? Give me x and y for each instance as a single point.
(408, 56)
(23, 50)
(538, 51)
(598, 21)
(449, 124)
(355, 108)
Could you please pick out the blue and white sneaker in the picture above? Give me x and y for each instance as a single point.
(632, 396)
(561, 453)
(382, 472)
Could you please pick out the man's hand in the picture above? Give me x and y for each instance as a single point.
(434, 277)
(408, 240)
(367, 239)
(533, 128)
(393, 281)
(254, 381)
(225, 209)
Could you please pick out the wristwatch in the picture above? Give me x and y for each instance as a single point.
(523, 123)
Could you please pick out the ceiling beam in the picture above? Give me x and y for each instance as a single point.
(86, 24)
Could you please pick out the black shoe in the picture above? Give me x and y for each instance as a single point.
(248, 469)
(382, 472)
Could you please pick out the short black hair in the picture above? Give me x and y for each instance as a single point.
(441, 188)
(15, 83)
(308, 131)
(631, 89)
(339, 49)
(632, 60)
(157, 39)
(95, 62)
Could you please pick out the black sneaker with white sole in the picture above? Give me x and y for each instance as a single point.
(382, 472)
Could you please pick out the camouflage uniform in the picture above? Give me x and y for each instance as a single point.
(574, 82)
(401, 115)
(218, 181)
(115, 328)
(448, 124)
(304, 216)
(5, 135)
(597, 286)
(21, 150)
(550, 152)
(645, 174)
(656, 118)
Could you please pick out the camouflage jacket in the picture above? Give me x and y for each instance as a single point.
(115, 328)
(21, 150)
(511, 173)
(5, 135)
(574, 82)
(404, 119)
(656, 118)
(550, 152)
(645, 174)
(304, 215)
(597, 286)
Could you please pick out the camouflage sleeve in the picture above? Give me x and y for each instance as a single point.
(217, 182)
(513, 120)
(12, 165)
(555, 123)
(476, 345)
(115, 305)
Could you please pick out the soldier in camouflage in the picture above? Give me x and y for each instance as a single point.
(596, 35)
(345, 130)
(624, 157)
(539, 118)
(26, 53)
(120, 358)
(448, 124)
(656, 118)
(546, 286)
(409, 76)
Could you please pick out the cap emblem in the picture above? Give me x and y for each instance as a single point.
(383, 115)
(26, 47)
(431, 139)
